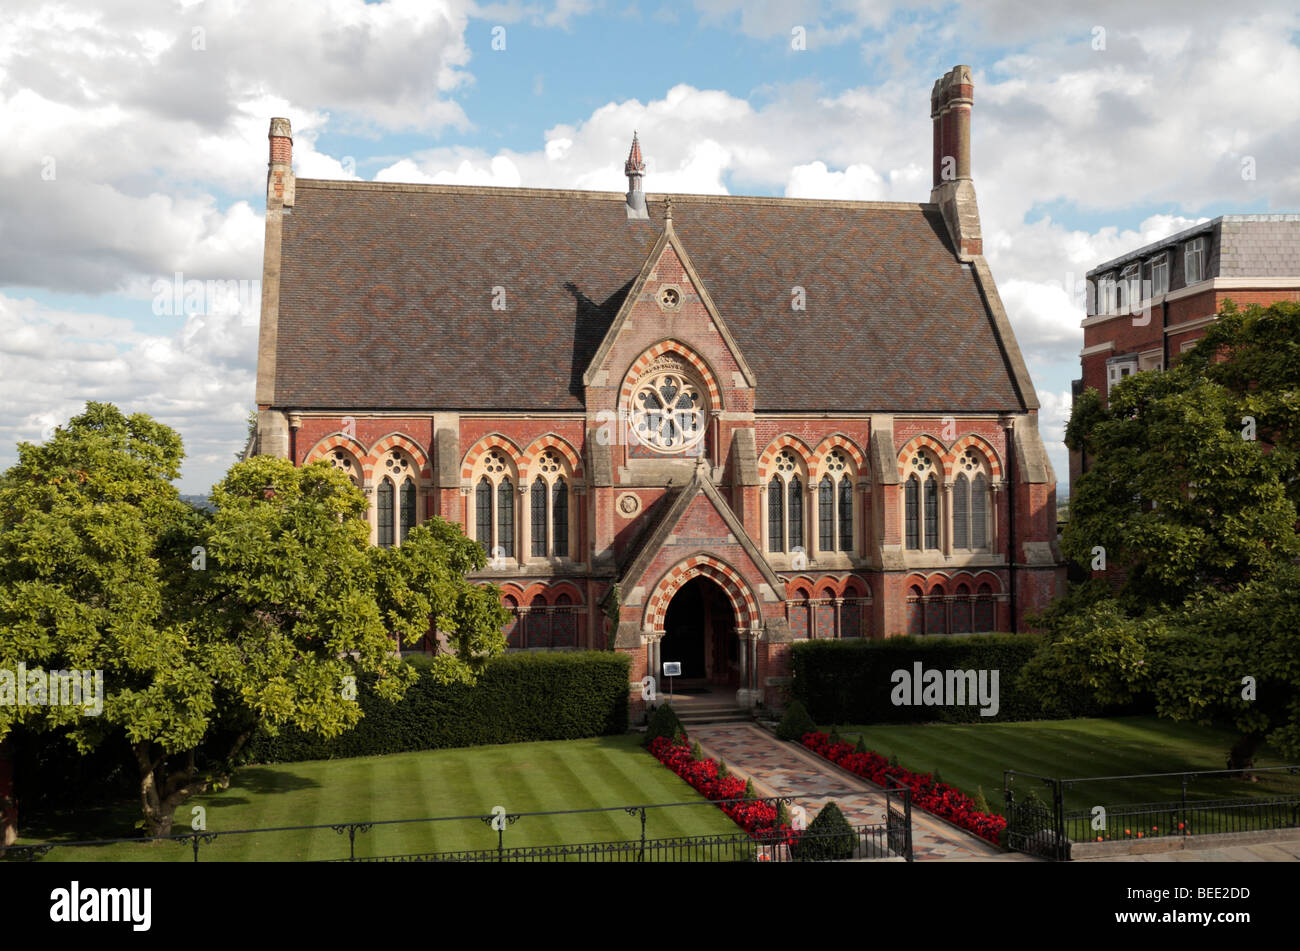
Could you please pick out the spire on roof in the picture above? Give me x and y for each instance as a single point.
(634, 169)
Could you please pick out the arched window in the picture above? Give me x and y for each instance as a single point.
(794, 533)
(846, 514)
(835, 503)
(539, 517)
(936, 612)
(384, 504)
(775, 514)
(983, 621)
(506, 517)
(407, 507)
(825, 616)
(483, 514)
(560, 518)
(397, 498)
(785, 528)
(921, 502)
(549, 522)
(513, 629)
(797, 613)
(910, 516)
(826, 514)
(346, 463)
(564, 625)
(539, 623)
(494, 505)
(915, 617)
(961, 611)
(970, 509)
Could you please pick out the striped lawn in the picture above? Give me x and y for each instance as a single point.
(973, 756)
(521, 777)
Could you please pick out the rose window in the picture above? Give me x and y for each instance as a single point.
(345, 463)
(668, 412)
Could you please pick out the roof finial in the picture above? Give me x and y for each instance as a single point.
(668, 210)
(634, 169)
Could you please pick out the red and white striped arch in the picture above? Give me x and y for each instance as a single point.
(743, 602)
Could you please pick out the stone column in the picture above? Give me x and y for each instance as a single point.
(742, 635)
(524, 525)
(994, 535)
(812, 543)
(839, 618)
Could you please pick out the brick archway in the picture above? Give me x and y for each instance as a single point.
(744, 605)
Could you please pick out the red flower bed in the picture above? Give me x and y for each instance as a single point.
(757, 818)
(938, 798)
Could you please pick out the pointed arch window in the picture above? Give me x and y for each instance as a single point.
(494, 506)
(506, 517)
(846, 514)
(539, 517)
(560, 518)
(384, 503)
(549, 507)
(785, 528)
(921, 502)
(970, 517)
(397, 498)
(912, 495)
(775, 514)
(826, 514)
(794, 532)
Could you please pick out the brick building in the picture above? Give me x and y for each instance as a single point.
(691, 428)
(1148, 306)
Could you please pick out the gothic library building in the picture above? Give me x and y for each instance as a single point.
(690, 428)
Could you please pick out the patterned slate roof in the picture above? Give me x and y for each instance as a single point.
(386, 296)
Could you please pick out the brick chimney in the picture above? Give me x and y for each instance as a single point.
(954, 193)
(634, 168)
(279, 178)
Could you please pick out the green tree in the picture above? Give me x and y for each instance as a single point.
(1192, 492)
(205, 625)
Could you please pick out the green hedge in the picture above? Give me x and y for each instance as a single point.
(518, 697)
(852, 681)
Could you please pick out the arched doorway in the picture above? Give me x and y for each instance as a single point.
(700, 632)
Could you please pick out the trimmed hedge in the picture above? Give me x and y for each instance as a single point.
(852, 681)
(518, 697)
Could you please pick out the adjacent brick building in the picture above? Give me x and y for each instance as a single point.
(1148, 306)
(691, 428)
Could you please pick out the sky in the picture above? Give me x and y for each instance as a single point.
(133, 150)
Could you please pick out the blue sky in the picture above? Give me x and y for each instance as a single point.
(136, 149)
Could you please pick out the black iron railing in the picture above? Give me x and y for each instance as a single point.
(891, 838)
(1038, 822)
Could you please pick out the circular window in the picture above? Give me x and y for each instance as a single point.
(669, 297)
(668, 412)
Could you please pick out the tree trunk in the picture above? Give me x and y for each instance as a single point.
(8, 803)
(1242, 754)
(161, 793)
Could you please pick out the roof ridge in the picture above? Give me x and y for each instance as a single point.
(678, 198)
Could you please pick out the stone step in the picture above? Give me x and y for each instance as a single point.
(732, 716)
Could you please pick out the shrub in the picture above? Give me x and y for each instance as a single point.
(852, 681)
(723, 772)
(749, 789)
(697, 753)
(795, 723)
(829, 836)
(663, 722)
(518, 698)
(981, 801)
(862, 745)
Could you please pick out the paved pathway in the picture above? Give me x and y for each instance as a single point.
(786, 769)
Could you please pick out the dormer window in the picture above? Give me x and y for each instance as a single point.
(1160, 275)
(1130, 287)
(1194, 260)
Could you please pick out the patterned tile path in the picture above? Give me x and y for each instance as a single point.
(785, 769)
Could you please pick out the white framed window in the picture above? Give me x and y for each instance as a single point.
(1159, 275)
(1194, 260)
(1151, 361)
(1117, 370)
(1130, 287)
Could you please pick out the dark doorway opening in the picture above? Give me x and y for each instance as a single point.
(699, 631)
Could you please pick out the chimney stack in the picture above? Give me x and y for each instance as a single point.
(279, 178)
(634, 168)
(950, 107)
